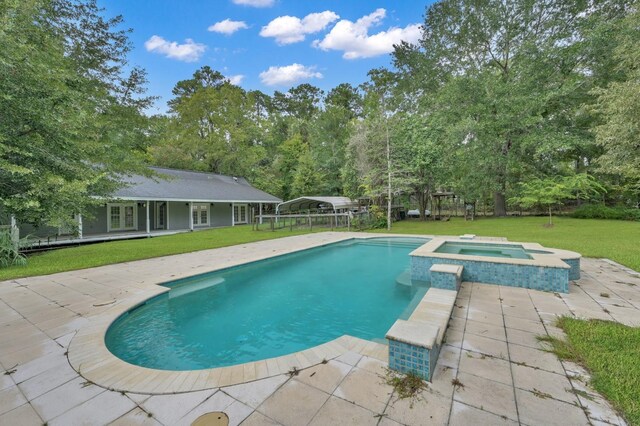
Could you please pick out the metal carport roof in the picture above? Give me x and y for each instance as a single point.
(311, 203)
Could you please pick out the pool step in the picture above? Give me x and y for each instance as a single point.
(189, 287)
(414, 344)
(404, 278)
(415, 300)
(446, 276)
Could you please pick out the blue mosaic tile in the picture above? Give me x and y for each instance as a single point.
(574, 272)
(406, 358)
(523, 276)
(444, 280)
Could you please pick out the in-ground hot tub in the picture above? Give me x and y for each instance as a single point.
(526, 265)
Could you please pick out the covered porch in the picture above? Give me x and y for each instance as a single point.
(36, 243)
(134, 218)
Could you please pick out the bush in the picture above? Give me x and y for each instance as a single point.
(9, 253)
(375, 218)
(599, 211)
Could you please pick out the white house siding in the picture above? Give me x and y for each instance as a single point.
(220, 214)
(178, 215)
(97, 224)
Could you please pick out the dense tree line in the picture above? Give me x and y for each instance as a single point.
(497, 98)
(495, 95)
(71, 117)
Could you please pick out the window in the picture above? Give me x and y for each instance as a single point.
(161, 215)
(129, 219)
(121, 217)
(200, 214)
(115, 217)
(239, 213)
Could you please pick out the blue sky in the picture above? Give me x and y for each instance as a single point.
(265, 44)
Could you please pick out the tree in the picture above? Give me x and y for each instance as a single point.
(306, 179)
(425, 156)
(286, 163)
(380, 156)
(72, 118)
(329, 133)
(619, 105)
(347, 98)
(549, 192)
(215, 127)
(546, 193)
(511, 75)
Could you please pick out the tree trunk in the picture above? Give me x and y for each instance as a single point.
(499, 199)
(388, 177)
(500, 204)
(422, 204)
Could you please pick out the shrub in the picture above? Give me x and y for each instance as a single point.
(374, 219)
(599, 211)
(9, 253)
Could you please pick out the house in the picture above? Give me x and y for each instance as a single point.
(170, 202)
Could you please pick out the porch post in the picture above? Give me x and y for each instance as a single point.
(166, 212)
(191, 215)
(260, 212)
(80, 226)
(148, 224)
(233, 218)
(14, 232)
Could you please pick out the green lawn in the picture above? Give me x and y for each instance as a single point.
(614, 239)
(610, 351)
(106, 253)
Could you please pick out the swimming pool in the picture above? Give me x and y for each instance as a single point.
(270, 308)
(484, 249)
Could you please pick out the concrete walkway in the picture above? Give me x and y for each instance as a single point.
(500, 371)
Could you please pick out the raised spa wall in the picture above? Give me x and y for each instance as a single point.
(547, 270)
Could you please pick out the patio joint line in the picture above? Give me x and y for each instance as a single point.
(342, 380)
(573, 389)
(464, 332)
(205, 400)
(604, 309)
(386, 406)
(513, 380)
(140, 407)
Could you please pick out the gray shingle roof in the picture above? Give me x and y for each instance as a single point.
(184, 185)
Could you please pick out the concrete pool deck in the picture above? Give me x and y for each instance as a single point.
(491, 348)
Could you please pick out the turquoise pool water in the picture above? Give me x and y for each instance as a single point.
(484, 249)
(271, 308)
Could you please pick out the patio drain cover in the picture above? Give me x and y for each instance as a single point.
(215, 418)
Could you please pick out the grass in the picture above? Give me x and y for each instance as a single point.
(408, 385)
(107, 253)
(610, 351)
(613, 239)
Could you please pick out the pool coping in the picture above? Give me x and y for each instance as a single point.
(90, 357)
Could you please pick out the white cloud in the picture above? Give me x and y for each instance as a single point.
(280, 76)
(255, 3)
(228, 26)
(190, 51)
(291, 29)
(235, 79)
(354, 40)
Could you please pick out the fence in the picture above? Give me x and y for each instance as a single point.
(282, 221)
